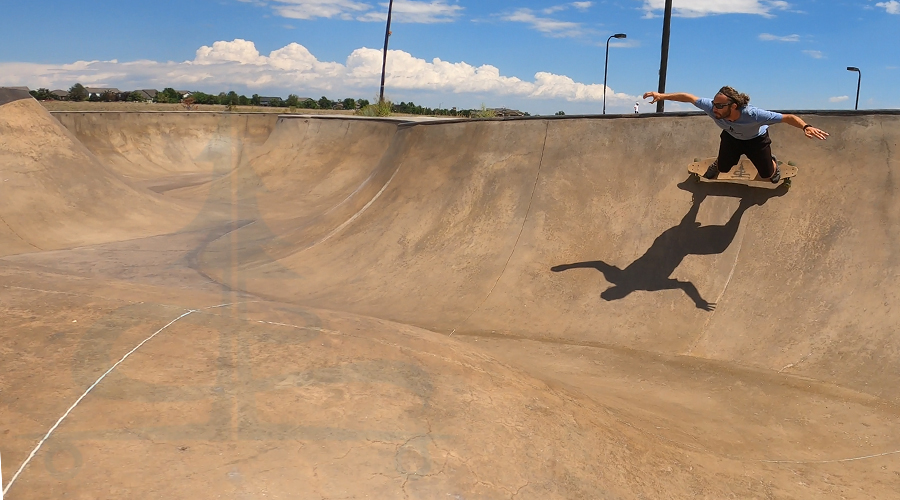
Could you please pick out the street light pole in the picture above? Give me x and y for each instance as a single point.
(387, 36)
(858, 83)
(606, 65)
(664, 55)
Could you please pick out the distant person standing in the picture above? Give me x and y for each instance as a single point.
(637, 108)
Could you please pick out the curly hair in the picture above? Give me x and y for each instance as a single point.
(736, 97)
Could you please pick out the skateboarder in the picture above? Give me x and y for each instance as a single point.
(744, 130)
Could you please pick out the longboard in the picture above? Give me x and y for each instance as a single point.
(742, 173)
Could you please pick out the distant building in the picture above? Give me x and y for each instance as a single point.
(267, 101)
(148, 94)
(62, 95)
(99, 91)
(26, 89)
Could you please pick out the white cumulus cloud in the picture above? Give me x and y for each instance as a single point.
(238, 64)
(892, 7)
(840, 98)
(700, 8)
(815, 54)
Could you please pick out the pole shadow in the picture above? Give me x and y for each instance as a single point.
(651, 272)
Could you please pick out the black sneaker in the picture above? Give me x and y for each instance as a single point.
(777, 175)
(713, 171)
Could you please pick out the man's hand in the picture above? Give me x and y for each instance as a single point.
(810, 131)
(655, 95)
(675, 96)
(813, 132)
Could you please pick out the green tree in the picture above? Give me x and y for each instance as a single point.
(135, 97)
(560, 113)
(78, 93)
(349, 103)
(243, 100)
(168, 95)
(362, 103)
(204, 98)
(255, 100)
(109, 96)
(43, 95)
(309, 104)
(325, 103)
(293, 101)
(276, 102)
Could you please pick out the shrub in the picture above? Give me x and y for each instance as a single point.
(382, 108)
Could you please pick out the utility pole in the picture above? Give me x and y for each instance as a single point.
(664, 56)
(387, 36)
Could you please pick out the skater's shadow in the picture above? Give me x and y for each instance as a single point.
(651, 271)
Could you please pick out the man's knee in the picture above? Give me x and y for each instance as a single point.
(726, 165)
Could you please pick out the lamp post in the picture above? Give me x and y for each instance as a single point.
(606, 66)
(858, 82)
(387, 36)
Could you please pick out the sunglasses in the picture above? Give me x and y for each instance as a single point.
(722, 106)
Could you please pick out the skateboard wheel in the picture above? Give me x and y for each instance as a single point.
(787, 182)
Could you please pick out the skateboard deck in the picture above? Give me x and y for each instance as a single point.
(742, 173)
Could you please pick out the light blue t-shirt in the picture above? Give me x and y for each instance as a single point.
(752, 123)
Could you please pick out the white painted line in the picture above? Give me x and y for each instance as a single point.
(230, 304)
(89, 389)
(814, 462)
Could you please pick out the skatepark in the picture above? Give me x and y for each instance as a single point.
(225, 305)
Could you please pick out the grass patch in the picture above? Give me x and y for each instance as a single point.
(382, 108)
(484, 112)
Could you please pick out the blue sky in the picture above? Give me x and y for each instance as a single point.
(539, 57)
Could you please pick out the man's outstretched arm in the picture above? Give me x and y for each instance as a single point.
(809, 130)
(674, 96)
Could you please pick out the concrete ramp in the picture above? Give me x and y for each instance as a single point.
(153, 150)
(57, 194)
(544, 308)
(591, 231)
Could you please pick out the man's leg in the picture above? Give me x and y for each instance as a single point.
(759, 151)
(729, 155)
(729, 152)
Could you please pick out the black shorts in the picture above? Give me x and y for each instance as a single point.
(758, 150)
